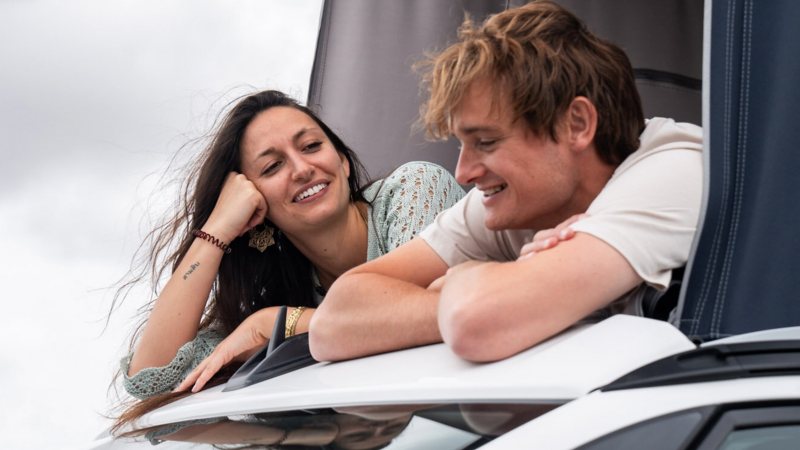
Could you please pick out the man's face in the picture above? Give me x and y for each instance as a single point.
(527, 181)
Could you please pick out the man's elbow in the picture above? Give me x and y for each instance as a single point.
(318, 344)
(323, 332)
(327, 334)
(467, 328)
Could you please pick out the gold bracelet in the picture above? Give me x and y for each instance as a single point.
(291, 322)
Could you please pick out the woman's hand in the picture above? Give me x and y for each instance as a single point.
(240, 207)
(546, 239)
(244, 342)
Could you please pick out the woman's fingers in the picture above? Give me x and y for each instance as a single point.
(239, 207)
(258, 214)
(204, 371)
(211, 369)
(249, 335)
(193, 375)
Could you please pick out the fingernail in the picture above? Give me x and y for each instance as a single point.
(563, 233)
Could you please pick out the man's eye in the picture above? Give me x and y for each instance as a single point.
(486, 144)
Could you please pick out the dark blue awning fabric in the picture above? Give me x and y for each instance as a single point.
(744, 274)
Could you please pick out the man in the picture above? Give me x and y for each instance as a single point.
(551, 127)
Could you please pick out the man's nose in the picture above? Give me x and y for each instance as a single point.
(469, 167)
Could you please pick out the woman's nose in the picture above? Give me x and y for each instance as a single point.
(302, 169)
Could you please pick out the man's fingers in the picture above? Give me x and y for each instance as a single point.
(545, 234)
(567, 223)
(566, 234)
(532, 248)
(570, 221)
(437, 284)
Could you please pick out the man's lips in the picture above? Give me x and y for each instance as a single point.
(488, 192)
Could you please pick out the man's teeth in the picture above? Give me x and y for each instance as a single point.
(310, 191)
(494, 190)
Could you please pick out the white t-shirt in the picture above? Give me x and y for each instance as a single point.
(647, 211)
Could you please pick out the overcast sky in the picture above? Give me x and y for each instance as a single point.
(95, 97)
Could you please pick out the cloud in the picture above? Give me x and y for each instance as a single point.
(96, 98)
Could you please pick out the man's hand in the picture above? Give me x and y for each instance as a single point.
(437, 284)
(461, 277)
(458, 271)
(547, 239)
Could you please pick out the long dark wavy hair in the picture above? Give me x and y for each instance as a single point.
(248, 280)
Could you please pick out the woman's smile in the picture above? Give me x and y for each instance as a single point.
(294, 165)
(309, 194)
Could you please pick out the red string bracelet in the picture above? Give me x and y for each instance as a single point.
(203, 235)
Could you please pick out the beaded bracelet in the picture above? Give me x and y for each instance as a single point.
(203, 235)
(283, 438)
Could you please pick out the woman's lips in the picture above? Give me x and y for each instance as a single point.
(311, 193)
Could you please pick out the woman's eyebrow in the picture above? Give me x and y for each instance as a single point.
(264, 153)
(300, 134)
(295, 138)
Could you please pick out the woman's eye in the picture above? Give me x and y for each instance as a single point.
(271, 168)
(312, 146)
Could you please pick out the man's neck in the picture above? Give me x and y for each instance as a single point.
(595, 174)
(592, 174)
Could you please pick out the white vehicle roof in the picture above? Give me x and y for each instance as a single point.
(563, 368)
(601, 413)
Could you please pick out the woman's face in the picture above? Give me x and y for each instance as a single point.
(296, 168)
(356, 433)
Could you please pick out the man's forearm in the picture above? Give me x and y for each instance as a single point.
(367, 313)
(490, 311)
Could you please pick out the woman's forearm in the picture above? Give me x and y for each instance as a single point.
(179, 308)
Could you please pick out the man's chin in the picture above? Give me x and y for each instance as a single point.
(495, 223)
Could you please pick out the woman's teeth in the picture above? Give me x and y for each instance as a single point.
(310, 191)
(494, 190)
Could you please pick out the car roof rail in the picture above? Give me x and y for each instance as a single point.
(716, 363)
(282, 355)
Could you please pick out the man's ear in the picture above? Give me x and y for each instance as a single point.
(581, 121)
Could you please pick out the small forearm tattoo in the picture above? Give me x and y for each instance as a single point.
(191, 269)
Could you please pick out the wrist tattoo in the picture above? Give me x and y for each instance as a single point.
(191, 269)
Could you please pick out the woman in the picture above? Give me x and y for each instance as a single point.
(323, 429)
(275, 213)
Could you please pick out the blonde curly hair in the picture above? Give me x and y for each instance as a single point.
(539, 57)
